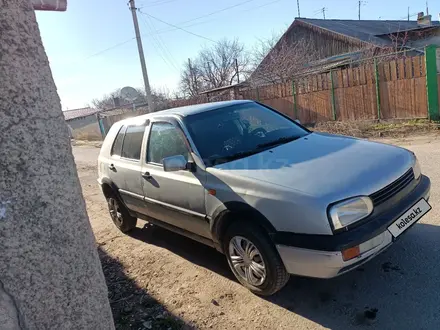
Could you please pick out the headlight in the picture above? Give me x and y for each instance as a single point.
(350, 211)
(417, 170)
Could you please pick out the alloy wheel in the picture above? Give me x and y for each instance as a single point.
(115, 211)
(247, 260)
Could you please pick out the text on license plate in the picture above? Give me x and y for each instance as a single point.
(409, 217)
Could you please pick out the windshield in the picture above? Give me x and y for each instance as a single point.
(239, 131)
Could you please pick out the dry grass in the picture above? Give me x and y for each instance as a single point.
(87, 136)
(370, 129)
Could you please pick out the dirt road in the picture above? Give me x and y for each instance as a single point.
(154, 274)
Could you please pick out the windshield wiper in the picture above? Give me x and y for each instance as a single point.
(279, 141)
(238, 155)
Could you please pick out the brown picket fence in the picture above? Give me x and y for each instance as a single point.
(351, 93)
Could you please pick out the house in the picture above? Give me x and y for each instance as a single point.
(83, 123)
(310, 40)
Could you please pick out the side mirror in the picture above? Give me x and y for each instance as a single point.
(298, 121)
(174, 163)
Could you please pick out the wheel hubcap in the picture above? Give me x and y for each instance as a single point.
(115, 211)
(247, 260)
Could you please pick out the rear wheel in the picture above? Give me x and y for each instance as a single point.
(120, 215)
(254, 260)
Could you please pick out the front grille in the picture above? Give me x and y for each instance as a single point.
(392, 189)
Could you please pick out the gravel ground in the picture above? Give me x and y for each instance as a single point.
(158, 279)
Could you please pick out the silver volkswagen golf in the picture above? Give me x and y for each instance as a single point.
(274, 197)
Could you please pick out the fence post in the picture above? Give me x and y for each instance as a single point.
(376, 78)
(431, 82)
(295, 109)
(333, 95)
(258, 94)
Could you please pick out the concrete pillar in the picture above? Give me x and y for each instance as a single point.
(50, 274)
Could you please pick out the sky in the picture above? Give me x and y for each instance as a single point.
(92, 47)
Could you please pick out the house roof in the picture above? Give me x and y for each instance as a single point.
(122, 109)
(372, 31)
(77, 113)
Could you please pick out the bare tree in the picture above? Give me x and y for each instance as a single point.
(113, 99)
(214, 67)
(279, 61)
(191, 82)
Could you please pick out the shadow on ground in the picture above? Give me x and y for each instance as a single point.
(397, 289)
(132, 306)
(195, 252)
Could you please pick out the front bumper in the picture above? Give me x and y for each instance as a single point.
(301, 258)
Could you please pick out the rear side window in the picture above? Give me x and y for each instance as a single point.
(165, 140)
(117, 145)
(132, 142)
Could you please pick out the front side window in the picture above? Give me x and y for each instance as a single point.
(165, 140)
(239, 131)
(131, 147)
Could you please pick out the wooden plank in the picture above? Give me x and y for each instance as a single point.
(338, 79)
(345, 78)
(417, 66)
(409, 70)
(422, 65)
(386, 71)
(393, 70)
(362, 78)
(320, 82)
(401, 68)
(355, 72)
(350, 77)
(369, 74)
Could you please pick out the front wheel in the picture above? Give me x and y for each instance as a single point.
(120, 215)
(254, 260)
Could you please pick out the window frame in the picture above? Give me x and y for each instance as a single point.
(133, 160)
(174, 123)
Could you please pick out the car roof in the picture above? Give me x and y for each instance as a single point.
(186, 111)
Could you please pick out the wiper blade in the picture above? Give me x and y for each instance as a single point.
(238, 155)
(278, 141)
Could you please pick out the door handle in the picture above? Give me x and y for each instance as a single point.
(112, 167)
(147, 176)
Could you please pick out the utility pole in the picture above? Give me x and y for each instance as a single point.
(323, 11)
(236, 71)
(360, 3)
(141, 56)
(408, 13)
(297, 4)
(427, 9)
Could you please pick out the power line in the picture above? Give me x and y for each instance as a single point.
(159, 44)
(320, 10)
(177, 27)
(198, 23)
(217, 11)
(158, 3)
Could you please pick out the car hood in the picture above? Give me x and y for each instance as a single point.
(325, 165)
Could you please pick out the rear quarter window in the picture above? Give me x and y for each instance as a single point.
(117, 144)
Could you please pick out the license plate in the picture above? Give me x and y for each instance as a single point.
(411, 216)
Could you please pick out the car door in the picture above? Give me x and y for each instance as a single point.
(173, 197)
(126, 167)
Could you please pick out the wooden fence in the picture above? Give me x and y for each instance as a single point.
(353, 93)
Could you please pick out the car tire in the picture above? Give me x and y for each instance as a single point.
(120, 215)
(263, 253)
